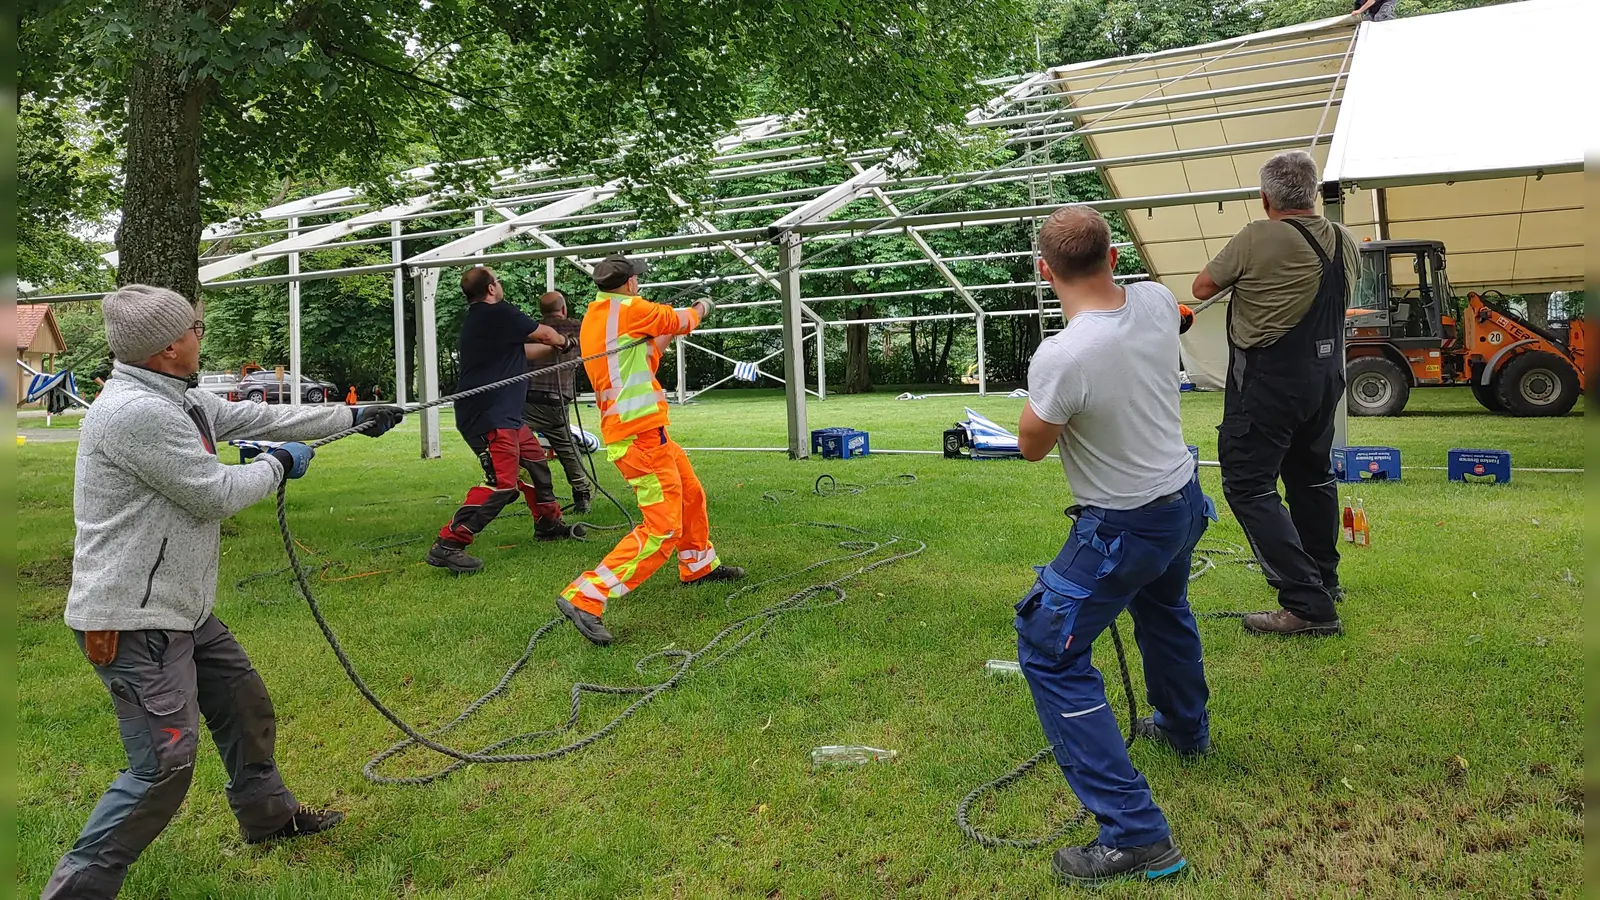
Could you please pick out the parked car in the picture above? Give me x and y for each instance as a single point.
(220, 383)
(263, 386)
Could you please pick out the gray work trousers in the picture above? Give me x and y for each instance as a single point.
(550, 422)
(161, 683)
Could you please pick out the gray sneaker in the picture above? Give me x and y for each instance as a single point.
(587, 623)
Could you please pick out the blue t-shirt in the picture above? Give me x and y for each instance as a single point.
(490, 350)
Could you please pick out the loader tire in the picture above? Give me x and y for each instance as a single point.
(1375, 387)
(1538, 383)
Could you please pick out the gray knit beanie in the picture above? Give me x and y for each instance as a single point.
(141, 320)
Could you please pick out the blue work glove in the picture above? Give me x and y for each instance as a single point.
(382, 418)
(295, 458)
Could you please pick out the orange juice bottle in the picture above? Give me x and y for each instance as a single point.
(1363, 537)
(1349, 525)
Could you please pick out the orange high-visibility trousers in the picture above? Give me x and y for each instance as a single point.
(674, 509)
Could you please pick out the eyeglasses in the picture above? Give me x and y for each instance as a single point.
(199, 329)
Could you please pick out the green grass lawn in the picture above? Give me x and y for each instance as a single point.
(1433, 751)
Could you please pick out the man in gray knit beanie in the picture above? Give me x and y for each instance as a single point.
(148, 501)
(141, 321)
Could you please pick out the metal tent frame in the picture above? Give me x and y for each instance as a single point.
(1194, 88)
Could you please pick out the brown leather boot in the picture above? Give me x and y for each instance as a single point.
(1281, 621)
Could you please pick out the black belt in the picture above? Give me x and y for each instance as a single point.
(1076, 509)
(545, 398)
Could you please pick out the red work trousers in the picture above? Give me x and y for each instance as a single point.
(503, 452)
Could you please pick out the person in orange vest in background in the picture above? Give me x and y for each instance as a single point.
(633, 425)
(350, 398)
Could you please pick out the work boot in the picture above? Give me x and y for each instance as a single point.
(587, 623)
(306, 820)
(582, 502)
(1281, 621)
(1149, 730)
(556, 529)
(1098, 864)
(452, 555)
(720, 573)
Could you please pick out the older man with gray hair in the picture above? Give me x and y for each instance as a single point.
(149, 497)
(1291, 275)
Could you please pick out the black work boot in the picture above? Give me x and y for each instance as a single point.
(306, 820)
(1149, 730)
(587, 623)
(720, 573)
(453, 555)
(556, 529)
(1098, 864)
(582, 502)
(1283, 622)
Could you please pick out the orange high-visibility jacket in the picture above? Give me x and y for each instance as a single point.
(630, 399)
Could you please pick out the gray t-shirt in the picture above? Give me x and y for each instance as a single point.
(1110, 379)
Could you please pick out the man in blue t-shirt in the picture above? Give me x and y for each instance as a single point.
(496, 342)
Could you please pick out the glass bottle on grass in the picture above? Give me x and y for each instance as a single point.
(1004, 668)
(850, 755)
(1362, 533)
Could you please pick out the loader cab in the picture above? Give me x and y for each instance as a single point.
(1402, 296)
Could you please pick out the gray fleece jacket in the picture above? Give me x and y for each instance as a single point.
(150, 496)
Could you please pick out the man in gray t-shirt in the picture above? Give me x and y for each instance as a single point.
(1105, 391)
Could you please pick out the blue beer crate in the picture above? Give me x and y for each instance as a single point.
(1479, 465)
(845, 443)
(817, 435)
(1367, 464)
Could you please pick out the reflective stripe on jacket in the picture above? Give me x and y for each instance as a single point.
(630, 399)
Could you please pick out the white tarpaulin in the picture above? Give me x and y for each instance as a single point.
(1470, 126)
(1489, 99)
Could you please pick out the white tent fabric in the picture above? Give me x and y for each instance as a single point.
(1461, 127)
(1223, 110)
(1469, 127)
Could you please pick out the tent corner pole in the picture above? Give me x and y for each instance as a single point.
(427, 290)
(794, 364)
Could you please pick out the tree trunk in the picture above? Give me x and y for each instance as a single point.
(158, 242)
(857, 361)
(944, 356)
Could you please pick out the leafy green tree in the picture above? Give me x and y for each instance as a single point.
(211, 100)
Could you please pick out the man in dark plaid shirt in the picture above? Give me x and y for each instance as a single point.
(548, 395)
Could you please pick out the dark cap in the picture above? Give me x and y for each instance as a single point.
(615, 270)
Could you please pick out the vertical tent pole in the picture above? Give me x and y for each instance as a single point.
(427, 290)
(794, 365)
(477, 222)
(1333, 211)
(983, 368)
(294, 321)
(683, 374)
(822, 362)
(396, 254)
(550, 274)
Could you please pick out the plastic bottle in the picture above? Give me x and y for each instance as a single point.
(1002, 667)
(1363, 536)
(1349, 528)
(849, 756)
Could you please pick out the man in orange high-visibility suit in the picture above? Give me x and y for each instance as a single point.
(633, 425)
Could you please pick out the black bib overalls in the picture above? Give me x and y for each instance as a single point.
(1277, 421)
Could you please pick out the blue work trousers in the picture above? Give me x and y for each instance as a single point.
(1136, 560)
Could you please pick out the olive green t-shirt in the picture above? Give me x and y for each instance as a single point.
(1274, 274)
